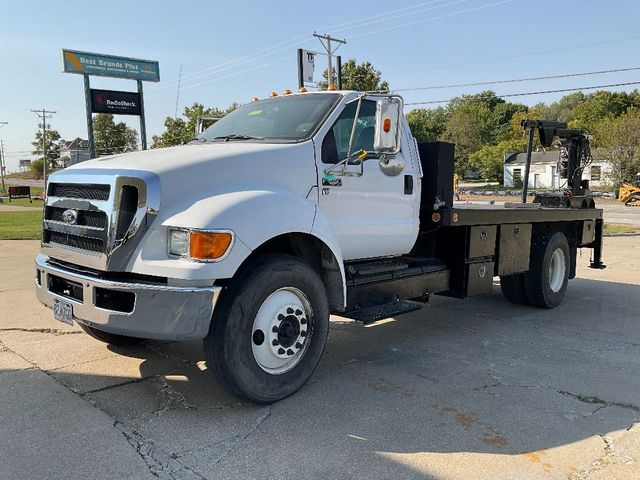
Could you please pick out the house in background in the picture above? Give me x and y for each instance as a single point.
(74, 151)
(544, 170)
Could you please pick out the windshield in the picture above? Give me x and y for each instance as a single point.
(282, 119)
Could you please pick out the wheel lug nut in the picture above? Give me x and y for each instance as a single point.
(303, 321)
(303, 333)
(281, 317)
(281, 351)
(289, 352)
(298, 312)
(289, 310)
(275, 329)
(275, 342)
(298, 345)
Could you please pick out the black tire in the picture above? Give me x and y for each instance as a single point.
(228, 347)
(513, 289)
(110, 338)
(538, 279)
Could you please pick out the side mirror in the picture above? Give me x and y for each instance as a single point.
(388, 126)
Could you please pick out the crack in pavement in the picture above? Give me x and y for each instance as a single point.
(599, 463)
(599, 401)
(225, 447)
(160, 463)
(51, 331)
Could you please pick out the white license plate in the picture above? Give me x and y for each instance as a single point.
(63, 312)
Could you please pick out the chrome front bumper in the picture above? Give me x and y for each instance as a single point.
(145, 310)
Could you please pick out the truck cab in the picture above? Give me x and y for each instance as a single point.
(282, 212)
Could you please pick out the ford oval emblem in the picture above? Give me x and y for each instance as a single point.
(70, 217)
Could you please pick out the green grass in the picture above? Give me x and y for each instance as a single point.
(617, 228)
(20, 225)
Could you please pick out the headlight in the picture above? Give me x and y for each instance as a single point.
(200, 244)
(178, 242)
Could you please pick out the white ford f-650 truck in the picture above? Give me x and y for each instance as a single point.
(284, 211)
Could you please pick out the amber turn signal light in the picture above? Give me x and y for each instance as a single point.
(386, 125)
(209, 245)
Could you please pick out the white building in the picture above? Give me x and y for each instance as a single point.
(544, 170)
(74, 151)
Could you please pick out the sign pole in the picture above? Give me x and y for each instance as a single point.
(143, 127)
(300, 75)
(87, 100)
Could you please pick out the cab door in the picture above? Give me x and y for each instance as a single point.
(371, 213)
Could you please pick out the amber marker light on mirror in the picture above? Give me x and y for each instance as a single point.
(386, 125)
(209, 245)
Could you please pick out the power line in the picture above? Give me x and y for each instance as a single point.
(529, 79)
(524, 94)
(286, 44)
(394, 17)
(453, 14)
(520, 55)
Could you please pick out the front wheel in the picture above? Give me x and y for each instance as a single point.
(269, 329)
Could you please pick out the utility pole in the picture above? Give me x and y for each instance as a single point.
(2, 166)
(330, 51)
(44, 115)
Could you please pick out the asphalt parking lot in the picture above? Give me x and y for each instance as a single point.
(478, 389)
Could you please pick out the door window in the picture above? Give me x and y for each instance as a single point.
(335, 146)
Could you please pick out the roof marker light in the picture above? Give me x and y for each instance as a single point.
(287, 92)
(273, 94)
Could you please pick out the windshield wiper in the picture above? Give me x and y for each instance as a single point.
(235, 136)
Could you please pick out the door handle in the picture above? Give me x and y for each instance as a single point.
(408, 184)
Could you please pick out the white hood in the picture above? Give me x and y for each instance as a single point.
(189, 173)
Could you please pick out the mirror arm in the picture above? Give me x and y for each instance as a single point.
(360, 154)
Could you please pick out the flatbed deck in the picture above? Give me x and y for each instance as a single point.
(474, 214)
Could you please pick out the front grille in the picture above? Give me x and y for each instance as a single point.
(88, 218)
(80, 190)
(84, 243)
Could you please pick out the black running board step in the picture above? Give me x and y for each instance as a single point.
(385, 270)
(379, 312)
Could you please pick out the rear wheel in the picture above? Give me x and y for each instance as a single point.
(548, 275)
(269, 329)
(110, 338)
(513, 289)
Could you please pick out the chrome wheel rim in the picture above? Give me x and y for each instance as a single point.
(281, 335)
(557, 270)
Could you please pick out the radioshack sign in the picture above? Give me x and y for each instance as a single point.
(112, 101)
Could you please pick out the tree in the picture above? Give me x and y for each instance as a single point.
(428, 124)
(36, 166)
(620, 142)
(470, 127)
(362, 78)
(600, 105)
(489, 159)
(179, 131)
(52, 142)
(111, 138)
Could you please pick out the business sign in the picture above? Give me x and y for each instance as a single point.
(86, 63)
(308, 62)
(24, 162)
(115, 102)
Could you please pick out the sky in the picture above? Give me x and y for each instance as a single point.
(232, 51)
